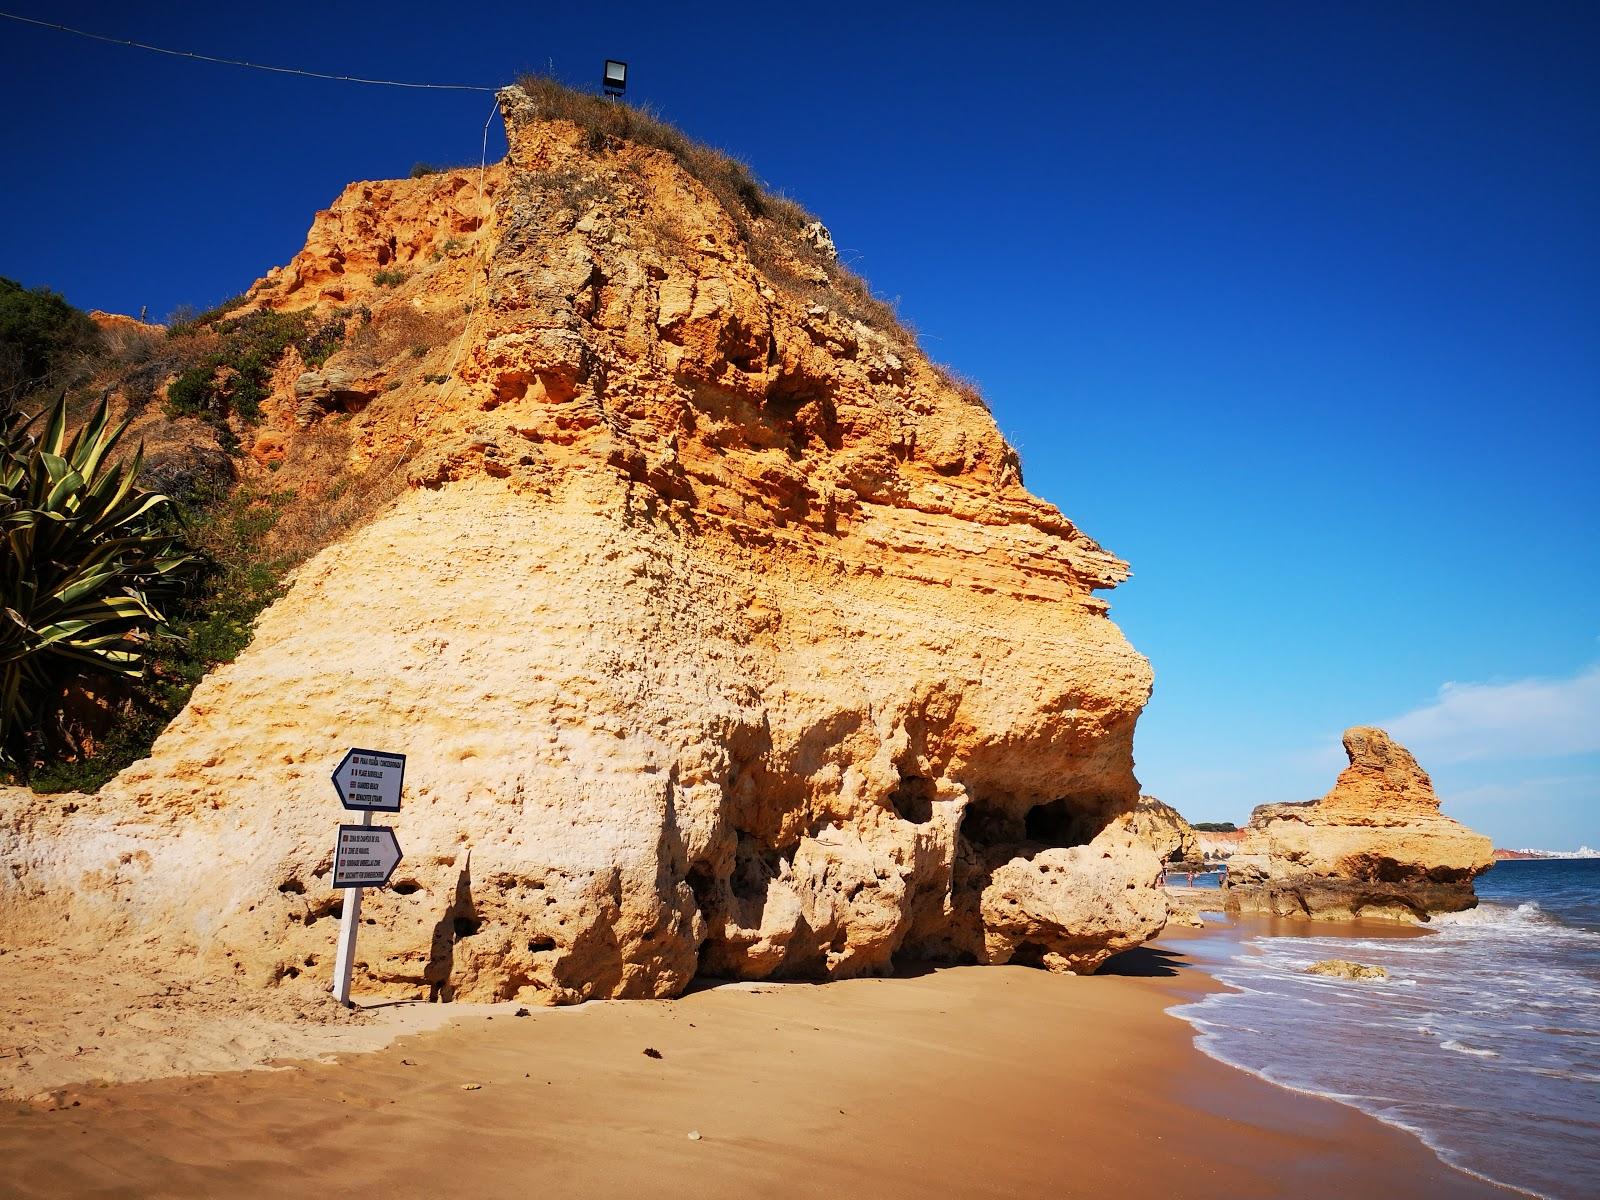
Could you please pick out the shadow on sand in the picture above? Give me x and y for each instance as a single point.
(1144, 962)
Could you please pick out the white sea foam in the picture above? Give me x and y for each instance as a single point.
(1452, 1044)
(1524, 915)
(1486, 1043)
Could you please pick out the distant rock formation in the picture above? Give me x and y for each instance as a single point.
(1214, 845)
(718, 625)
(1376, 845)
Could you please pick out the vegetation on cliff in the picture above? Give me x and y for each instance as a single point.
(89, 569)
(43, 342)
(235, 375)
(790, 245)
(80, 705)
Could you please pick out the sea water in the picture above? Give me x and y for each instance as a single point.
(1484, 1041)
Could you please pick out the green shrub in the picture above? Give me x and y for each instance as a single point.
(389, 277)
(89, 571)
(247, 541)
(1215, 827)
(422, 169)
(211, 621)
(236, 377)
(41, 339)
(186, 319)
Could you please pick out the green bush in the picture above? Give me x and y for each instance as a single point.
(1215, 827)
(236, 377)
(41, 336)
(89, 571)
(212, 620)
(389, 277)
(186, 319)
(422, 169)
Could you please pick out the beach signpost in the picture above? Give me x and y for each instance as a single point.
(370, 780)
(365, 855)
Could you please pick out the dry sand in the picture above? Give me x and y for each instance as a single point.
(979, 1081)
(74, 1018)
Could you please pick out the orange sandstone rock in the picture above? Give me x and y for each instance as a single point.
(719, 628)
(1375, 845)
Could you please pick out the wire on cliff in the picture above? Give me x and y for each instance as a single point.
(239, 62)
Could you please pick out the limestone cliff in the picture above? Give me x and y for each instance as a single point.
(1375, 845)
(717, 624)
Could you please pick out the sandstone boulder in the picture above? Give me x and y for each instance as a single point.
(1375, 846)
(332, 389)
(1343, 968)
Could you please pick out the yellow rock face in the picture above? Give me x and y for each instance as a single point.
(1376, 845)
(718, 627)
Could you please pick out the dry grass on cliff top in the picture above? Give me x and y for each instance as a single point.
(772, 226)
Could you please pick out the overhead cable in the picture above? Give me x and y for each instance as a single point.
(239, 62)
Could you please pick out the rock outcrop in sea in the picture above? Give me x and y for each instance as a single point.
(719, 629)
(1375, 846)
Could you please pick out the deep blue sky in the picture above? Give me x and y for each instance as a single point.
(1295, 306)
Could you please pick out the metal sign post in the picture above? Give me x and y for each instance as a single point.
(365, 855)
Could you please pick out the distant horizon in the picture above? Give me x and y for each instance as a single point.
(1294, 309)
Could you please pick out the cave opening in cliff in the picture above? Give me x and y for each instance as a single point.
(1055, 823)
(1029, 954)
(912, 799)
(990, 823)
(1060, 823)
(755, 866)
(703, 886)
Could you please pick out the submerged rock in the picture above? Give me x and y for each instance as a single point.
(1375, 846)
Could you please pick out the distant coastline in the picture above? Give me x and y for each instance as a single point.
(1502, 854)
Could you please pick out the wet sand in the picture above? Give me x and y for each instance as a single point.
(975, 1081)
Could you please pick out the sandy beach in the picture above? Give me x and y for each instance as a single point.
(976, 1081)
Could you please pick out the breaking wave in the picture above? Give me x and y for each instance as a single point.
(1484, 1041)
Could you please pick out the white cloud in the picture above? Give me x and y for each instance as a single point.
(1525, 718)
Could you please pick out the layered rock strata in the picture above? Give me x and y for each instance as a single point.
(1375, 846)
(718, 626)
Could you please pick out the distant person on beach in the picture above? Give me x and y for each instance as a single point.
(1190, 878)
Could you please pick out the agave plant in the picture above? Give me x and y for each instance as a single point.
(84, 566)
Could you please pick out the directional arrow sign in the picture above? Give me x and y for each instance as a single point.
(370, 779)
(365, 857)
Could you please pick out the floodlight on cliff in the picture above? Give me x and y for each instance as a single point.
(614, 78)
